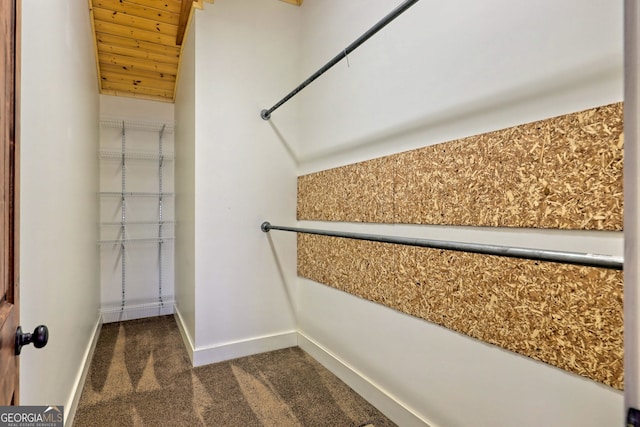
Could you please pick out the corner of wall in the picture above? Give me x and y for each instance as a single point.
(364, 386)
(186, 335)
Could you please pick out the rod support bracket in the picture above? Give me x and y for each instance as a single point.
(265, 114)
(265, 226)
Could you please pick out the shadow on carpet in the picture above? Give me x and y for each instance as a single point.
(141, 375)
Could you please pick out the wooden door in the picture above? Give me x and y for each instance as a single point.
(9, 278)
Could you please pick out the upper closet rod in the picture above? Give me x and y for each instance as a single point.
(576, 258)
(266, 114)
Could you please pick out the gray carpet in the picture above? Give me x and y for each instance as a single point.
(141, 376)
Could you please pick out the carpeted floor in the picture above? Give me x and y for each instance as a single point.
(141, 376)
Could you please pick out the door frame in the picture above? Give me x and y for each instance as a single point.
(631, 204)
(10, 309)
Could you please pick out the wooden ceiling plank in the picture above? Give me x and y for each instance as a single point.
(185, 11)
(140, 54)
(140, 11)
(137, 74)
(137, 64)
(131, 43)
(172, 6)
(122, 92)
(138, 89)
(139, 81)
(136, 50)
(138, 86)
(124, 31)
(134, 90)
(134, 22)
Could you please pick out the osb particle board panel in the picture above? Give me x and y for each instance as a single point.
(361, 192)
(567, 316)
(564, 172)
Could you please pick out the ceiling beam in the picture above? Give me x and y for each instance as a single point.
(185, 10)
(296, 2)
(199, 3)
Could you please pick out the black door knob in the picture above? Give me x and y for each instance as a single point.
(39, 337)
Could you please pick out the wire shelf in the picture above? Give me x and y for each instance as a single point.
(134, 194)
(126, 242)
(135, 155)
(153, 223)
(135, 124)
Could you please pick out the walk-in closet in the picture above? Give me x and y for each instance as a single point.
(314, 212)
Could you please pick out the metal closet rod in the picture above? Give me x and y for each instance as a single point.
(266, 114)
(576, 258)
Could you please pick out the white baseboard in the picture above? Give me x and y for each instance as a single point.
(136, 311)
(233, 350)
(74, 399)
(186, 339)
(248, 347)
(362, 385)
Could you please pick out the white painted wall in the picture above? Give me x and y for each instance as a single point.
(185, 172)
(136, 109)
(442, 71)
(246, 54)
(143, 119)
(59, 207)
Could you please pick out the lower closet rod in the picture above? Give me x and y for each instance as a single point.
(563, 257)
